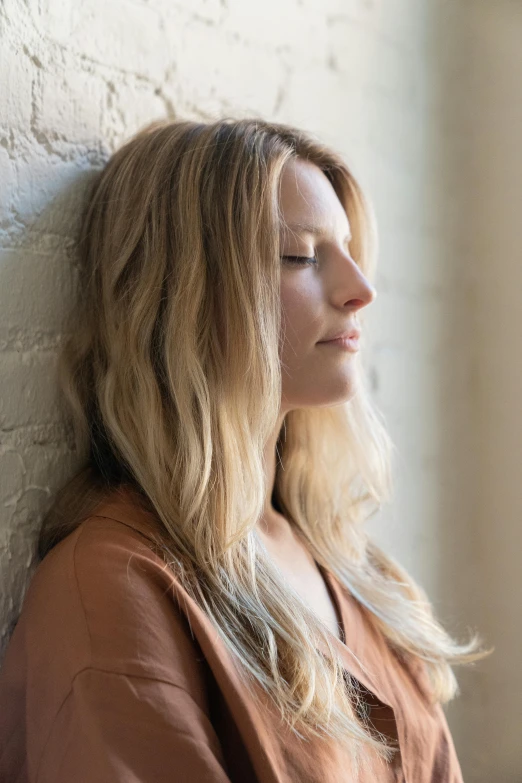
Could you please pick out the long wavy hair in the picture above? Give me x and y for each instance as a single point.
(171, 374)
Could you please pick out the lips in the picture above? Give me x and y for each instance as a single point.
(353, 333)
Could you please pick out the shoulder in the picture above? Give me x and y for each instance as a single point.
(103, 599)
(103, 665)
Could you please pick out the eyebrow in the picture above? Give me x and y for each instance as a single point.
(309, 228)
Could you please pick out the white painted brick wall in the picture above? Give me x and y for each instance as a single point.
(76, 79)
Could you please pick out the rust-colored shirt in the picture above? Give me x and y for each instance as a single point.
(113, 674)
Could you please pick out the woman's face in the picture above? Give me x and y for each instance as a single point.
(320, 297)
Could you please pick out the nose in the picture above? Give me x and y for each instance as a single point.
(366, 297)
(357, 291)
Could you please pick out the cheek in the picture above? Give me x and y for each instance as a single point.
(299, 318)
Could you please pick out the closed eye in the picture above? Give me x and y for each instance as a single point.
(301, 259)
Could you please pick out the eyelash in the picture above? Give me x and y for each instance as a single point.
(301, 260)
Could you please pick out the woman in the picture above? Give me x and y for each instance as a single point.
(209, 606)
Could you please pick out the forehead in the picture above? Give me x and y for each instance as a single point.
(308, 200)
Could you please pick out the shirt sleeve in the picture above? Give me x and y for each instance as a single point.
(116, 728)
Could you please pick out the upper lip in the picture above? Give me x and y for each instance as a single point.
(353, 332)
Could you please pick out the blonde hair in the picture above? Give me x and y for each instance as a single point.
(178, 321)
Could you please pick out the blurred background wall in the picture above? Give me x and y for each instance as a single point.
(423, 98)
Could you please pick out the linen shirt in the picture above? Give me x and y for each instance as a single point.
(113, 674)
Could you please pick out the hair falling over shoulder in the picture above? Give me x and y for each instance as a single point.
(177, 320)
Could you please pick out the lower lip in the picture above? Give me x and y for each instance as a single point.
(346, 343)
